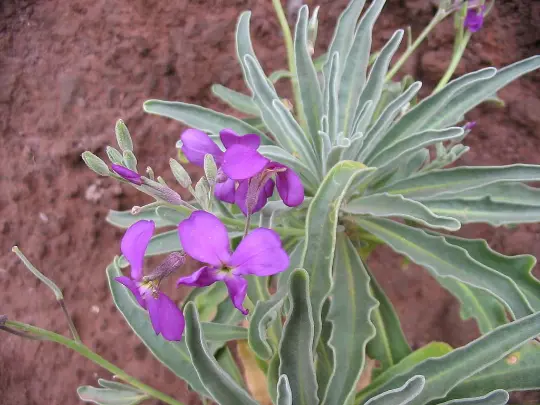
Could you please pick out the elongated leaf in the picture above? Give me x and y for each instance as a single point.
(375, 82)
(295, 350)
(446, 260)
(402, 395)
(306, 76)
(107, 396)
(174, 355)
(389, 346)
(199, 117)
(226, 361)
(172, 215)
(468, 98)
(284, 394)
(115, 385)
(124, 219)
(389, 205)
(423, 114)
(331, 106)
(321, 229)
(324, 363)
(219, 332)
(336, 153)
(486, 210)
(235, 99)
(431, 350)
(498, 397)
(355, 66)
(278, 75)
(412, 144)
(413, 164)
(449, 181)
(517, 372)
(350, 313)
(446, 372)
(217, 381)
(265, 312)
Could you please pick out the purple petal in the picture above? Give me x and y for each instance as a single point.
(264, 195)
(166, 317)
(259, 253)
(196, 144)
(230, 138)
(134, 244)
(225, 191)
(153, 310)
(290, 187)
(203, 277)
(237, 287)
(469, 125)
(474, 20)
(126, 174)
(205, 238)
(132, 285)
(241, 162)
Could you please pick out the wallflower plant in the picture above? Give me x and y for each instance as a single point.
(358, 161)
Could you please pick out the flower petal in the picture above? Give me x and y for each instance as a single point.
(237, 287)
(153, 310)
(474, 20)
(230, 138)
(205, 238)
(171, 319)
(259, 253)
(225, 191)
(242, 162)
(132, 285)
(196, 144)
(134, 244)
(264, 195)
(203, 277)
(126, 174)
(290, 187)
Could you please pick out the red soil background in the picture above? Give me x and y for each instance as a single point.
(69, 69)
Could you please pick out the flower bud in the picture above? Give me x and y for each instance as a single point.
(161, 192)
(180, 173)
(95, 164)
(313, 26)
(202, 193)
(172, 262)
(130, 160)
(210, 169)
(150, 173)
(114, 156)
(127, 174)
(123, 136)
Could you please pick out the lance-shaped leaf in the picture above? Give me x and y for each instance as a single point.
(199, 117)
(306, 76)
(217, 381)
(449, 181)
(265, 312)
(443, 259)
(446, 372)
(284, 394)
(124, 219)
(172, 215)
(375, 82)
(421, 116)
(468, 98)
(235, 99)
(118, 394)
(402, 395)
(295, 350)
(350, 312)
(497, 397)
(321, 229)
(331, 106)
(413, 164)
(219, 332)
(511, 193)
(413, 143)
(324, 363)
(174, 355)
(517, 372)
(485, 210)
(226, 361)
(389, 205)
(389, 346)
(355, 66)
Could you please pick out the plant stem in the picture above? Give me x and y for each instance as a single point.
(90, 355)
(456, 57)
(289, 46)
(71, 325)
(437, 18)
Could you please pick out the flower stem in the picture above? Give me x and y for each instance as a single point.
(456, 57)
(71, 325)
(90, 355)
(437, 18)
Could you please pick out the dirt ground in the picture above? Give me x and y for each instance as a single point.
(69, 69)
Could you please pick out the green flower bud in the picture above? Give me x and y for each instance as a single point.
(95, 164)
(202, 193)
(114, 156)
(130, 160)
(180, 173)
(210, 168)
(123, 137)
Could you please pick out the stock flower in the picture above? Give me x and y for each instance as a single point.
(205, 239)
(474, 18)
(166, 317)
(127, 174)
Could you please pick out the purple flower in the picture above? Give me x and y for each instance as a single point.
(205, 239)
(129, 175)
(474, 18)
(469, 125)
(166, 317)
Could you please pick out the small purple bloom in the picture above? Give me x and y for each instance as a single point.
(125, 173)
(166, 317)
(474, 19)
(205, 239)
(469, 125)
